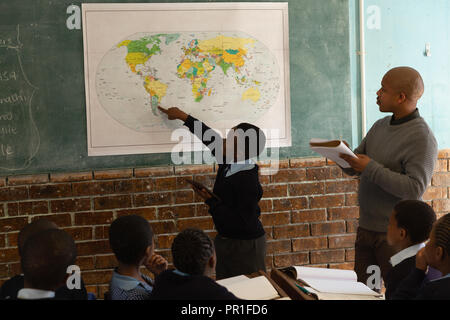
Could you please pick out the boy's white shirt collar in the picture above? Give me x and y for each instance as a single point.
(240, 166)
(33, 294)
(406, 253)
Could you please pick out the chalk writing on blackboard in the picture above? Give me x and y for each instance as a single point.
(19, 135)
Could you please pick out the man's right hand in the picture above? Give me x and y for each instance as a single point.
(174, 113)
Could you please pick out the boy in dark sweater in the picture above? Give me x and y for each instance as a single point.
(241, 242)
(436, 254)
(12, 286)
(194, 259)
(45, 259)
(409, 227)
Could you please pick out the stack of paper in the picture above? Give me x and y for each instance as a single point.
(332, 149)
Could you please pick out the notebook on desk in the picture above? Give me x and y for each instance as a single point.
(258, 288)
(331, 284)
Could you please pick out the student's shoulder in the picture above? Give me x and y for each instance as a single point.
(11, 287)
(437, 289)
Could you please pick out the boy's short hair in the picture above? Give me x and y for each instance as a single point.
(129, 238)
(191, 250)
(442, 233)
(45, 258)
(31, 229)
(416, 217)
(250, 131)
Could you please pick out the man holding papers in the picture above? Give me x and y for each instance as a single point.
(395, 161)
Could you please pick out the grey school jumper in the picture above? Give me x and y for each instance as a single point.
(403, 153)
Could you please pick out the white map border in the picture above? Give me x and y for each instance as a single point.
(96, 114)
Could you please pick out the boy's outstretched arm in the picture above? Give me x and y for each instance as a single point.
(208, 136)
(174, 113)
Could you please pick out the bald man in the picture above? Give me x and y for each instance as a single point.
(395, 162)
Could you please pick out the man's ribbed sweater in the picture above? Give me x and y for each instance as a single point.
(403, 156)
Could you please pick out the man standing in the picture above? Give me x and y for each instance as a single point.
(395, 162)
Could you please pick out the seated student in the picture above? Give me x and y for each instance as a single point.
(436, 254)
(12, 286)
(131, 240)
(194, 259)
(409, 227)
(45, 258)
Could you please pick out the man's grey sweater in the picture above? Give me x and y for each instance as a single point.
(403, 157)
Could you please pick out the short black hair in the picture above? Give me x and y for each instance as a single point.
(191, 250)
(250, 131)
(129, 238)
(31, 229)
(416, 217)
(442, 233)
(45, 258)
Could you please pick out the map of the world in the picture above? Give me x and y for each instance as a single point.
(226, 75)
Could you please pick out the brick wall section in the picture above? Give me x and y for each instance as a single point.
(309, 211)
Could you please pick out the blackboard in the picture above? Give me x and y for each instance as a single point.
(42, 97)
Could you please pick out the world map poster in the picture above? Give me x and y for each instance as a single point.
(222, 63)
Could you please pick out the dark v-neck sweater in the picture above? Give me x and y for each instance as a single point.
(236, 212)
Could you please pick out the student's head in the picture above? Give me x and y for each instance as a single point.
(437, 250)
(31, 229)
(131, 239)
(401, 88)
(45, 258)
(410, 223)
(243, 142)
(193, 253)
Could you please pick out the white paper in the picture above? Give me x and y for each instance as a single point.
(232, 280)
(332, 281)
(333, 153)
(258, 288)
(323, 273)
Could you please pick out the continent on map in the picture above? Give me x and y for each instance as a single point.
(202, 56)
(139, 52)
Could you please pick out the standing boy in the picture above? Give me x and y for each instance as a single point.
(241, 240)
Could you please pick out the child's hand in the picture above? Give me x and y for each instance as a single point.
(174, 113)
(156, 264)
(421, 260)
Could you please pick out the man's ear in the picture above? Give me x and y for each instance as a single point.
(402, 97)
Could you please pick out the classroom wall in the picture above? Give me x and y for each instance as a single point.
(396, 34)
(309, 211)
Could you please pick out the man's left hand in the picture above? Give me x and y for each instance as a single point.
(358, 164)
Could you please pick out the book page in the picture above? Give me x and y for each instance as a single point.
(339, 296)
(333, 153)
(229, 281)
(258, 288)
(325, 273)
(339, 286)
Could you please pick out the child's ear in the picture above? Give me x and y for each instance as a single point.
(403, 233)
(212, 262)
(149, 251)
(439, 252)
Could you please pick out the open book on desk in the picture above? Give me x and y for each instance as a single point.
(331, 149)
(332, 284)
(258, 288)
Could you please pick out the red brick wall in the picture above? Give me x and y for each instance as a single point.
(309, 211)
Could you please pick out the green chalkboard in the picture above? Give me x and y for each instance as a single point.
(42, 91)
